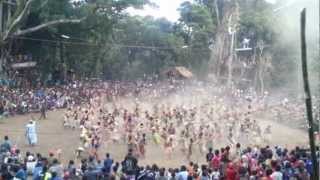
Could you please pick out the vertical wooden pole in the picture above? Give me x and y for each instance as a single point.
(315, 175)
(318, 88)
(1, 16)
(1, 30)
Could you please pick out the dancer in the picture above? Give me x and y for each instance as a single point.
(190, 146)
(168, 148)
(267, 133)
(142, 144)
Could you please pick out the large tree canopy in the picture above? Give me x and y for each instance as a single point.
(25, 17)
(98, 38)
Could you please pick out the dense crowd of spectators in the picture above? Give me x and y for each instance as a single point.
(24, 100)
(21, 100)
(229, 163)
(18, 101)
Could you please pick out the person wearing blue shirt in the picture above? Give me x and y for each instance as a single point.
(108, 163)
(100, 166)
(288, 171)
(20, 173)
(37, 171)
(6, 145)
(309, 166)
(55, 176)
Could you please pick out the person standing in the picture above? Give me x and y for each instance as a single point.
(43, 108)
(209, 156)
(130, 166)
(6, 145)
(183, 174)
(31, 133)
(107, 164)
(277, 174)
(231, 172)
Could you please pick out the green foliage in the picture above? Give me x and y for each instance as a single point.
(256, 21)
(140, 35)
(197, 27)
(111, 44)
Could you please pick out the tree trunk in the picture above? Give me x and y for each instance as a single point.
(63, 61)
(9, 11)
(261, 79)
(1, 60)
(217, 11)
(255, 79)
(242, 68)
(4, 54)
(230, 61)
(217, 52)
(221, 54)
(260, 67)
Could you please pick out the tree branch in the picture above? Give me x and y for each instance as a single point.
(8, 2)
(19, 19)
(47, 24)
(43, 4)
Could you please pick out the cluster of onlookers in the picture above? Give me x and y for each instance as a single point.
(227, 163)
(24, 100)
(19, 101)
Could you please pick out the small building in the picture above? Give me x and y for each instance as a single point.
(178, 72)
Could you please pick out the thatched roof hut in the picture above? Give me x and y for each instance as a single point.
(179, 72)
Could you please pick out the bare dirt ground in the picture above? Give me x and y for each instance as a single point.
(52, 135)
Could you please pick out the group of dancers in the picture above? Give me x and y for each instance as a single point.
(175, 124)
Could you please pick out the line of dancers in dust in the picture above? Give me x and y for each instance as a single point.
(193, 124)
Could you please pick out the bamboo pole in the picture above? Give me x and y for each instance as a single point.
(308, 100)
(318, 88)
(1, 16)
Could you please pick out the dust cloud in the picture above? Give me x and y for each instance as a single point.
(287, 28)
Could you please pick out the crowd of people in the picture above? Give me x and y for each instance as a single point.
(227, 163)
(187, 121)
(25, 100)
(187, 125)
(174, 117)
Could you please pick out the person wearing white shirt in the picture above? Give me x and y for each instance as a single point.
(30, 164)
(183, 174)
(277, 174)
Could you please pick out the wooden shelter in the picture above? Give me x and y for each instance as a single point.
(179, 72)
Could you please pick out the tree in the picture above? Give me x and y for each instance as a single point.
(150, 46)
(256, 24)
(23, 8)
(53, 13)
(14, 26)
(227, 15)
(112, 44)
(197, 28)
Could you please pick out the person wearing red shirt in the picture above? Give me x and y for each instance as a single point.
(231, 173)
(215, 161)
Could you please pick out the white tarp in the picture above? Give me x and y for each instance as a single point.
(24, 65)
